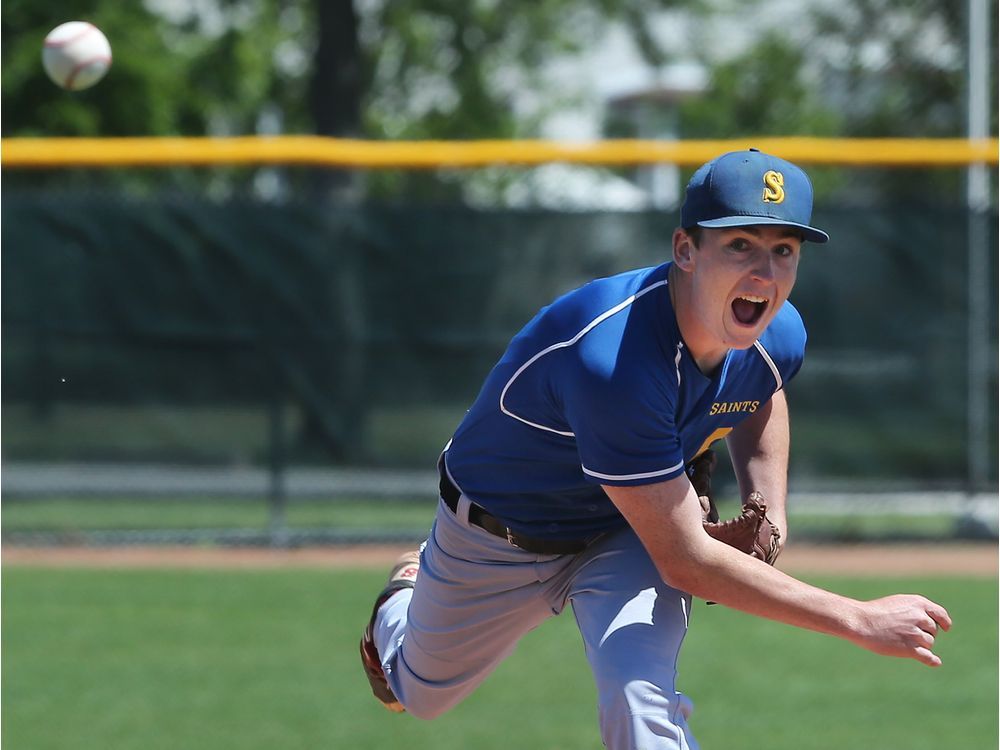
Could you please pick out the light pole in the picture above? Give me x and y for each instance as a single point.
(977, 203)
(652, 111)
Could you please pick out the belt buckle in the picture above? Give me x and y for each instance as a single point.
(510, 537)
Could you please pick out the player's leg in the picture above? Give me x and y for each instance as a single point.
(402, 576)
(633, 625)
(475, 596)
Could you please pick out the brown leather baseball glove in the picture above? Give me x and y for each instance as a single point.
(751, 531)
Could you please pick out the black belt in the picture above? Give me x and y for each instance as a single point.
(479, 516)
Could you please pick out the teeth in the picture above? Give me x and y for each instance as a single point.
(753, 298)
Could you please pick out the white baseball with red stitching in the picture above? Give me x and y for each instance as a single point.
(76, 55)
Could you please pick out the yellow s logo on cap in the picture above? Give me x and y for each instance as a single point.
(774, 190)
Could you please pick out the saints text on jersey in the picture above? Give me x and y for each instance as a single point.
(731, 407)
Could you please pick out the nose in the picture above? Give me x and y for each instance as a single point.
(763, 267)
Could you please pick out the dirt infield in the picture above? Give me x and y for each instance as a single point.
(978, 560)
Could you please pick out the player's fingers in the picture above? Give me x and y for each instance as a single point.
(706, 506)
(926, 656)
(940, 615)
(928, 625)
(924, 639)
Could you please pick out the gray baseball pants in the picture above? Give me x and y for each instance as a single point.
(476, 596)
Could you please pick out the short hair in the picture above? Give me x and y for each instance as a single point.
(694, 233)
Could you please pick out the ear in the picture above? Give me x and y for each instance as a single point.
(683, 250)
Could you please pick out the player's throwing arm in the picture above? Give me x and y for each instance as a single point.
(669, 520)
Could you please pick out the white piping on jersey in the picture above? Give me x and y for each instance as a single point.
(770, 362)
(677, 361)
(562, 345)
(624, 477)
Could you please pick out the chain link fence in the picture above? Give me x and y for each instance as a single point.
(167, 338)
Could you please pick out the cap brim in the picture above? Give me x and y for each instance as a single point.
(810, 233)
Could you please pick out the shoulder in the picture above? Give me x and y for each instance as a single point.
(784, 341)
(604, 296)
(622, 328)
(787, 329)
(614, 360)
(592, 320)
(586, 349)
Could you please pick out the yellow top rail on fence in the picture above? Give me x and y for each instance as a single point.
(319, 151)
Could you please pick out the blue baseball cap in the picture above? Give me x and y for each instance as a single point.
(746, 188)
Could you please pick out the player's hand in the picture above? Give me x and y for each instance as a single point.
(903, 625)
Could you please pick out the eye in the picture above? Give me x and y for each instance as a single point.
(784, 251)
(739, 244)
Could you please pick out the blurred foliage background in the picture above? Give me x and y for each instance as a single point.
(418, 69)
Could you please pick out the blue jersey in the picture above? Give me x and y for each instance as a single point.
(599, 389)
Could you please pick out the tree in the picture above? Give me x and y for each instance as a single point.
(143, 94)
(392, 69)
(419, 69)
(865, 68)
(472, 70)
(768, 90)
(898, 68)
(178, 73)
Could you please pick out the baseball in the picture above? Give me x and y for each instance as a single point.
(76, 55)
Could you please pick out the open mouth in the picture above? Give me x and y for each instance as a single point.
(748, 308)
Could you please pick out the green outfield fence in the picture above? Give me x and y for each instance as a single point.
(202, 322)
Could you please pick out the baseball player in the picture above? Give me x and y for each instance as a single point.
(581, 474)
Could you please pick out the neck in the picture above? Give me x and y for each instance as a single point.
(706, 353)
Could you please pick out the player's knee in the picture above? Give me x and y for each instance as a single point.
(633, 698)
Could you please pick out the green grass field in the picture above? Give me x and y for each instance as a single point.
(267, 659)
(75, 514)
(67, 515)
